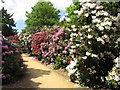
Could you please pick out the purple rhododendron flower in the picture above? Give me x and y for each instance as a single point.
(45, 63)
(8, 52)
(51, 63)
(2, 62)
(5, 47)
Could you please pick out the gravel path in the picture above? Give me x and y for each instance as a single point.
(40, 76)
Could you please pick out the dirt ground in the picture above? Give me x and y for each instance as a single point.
(40, 76)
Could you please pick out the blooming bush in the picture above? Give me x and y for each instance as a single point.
(25, 42)
(93, 36)
(14, 40)
(12, 62)
(51, 45)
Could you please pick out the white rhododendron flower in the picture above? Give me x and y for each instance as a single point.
(107, 27)
(86, 14)
(71, 39)
(88, 54)
(106, 13)
(73, 26)
(77, 44)
(101, 40)
(80, 12)
(89, 42)
(99, 7)
(70, 68)
(85, 26)
(93, 12)
(108, 23)
(106, 18)
(105, 37)
(72, 50)
(76, 11)
(94, 55)
(74, 29)
(73, 46)
(67, 19)
(97, 25)
(89, 29)
(96, 20)
(101, 28)
(116, 60)
(99, 13)
(69, 29)
(73, 34)
(90, 36)
(102, 24)
(80, 34)
(92, 5)
(85, 57)
(93, 17)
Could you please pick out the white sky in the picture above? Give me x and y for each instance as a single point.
(19, 7)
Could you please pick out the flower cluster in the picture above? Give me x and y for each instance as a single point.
(13, 39)
(93, 43)
(12, 62)
(51, 44)
(25, 42)
(113, 77)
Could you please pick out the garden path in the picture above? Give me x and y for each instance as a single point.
(40, 76)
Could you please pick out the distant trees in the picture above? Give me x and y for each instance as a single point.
(43, 13)
(7, 24)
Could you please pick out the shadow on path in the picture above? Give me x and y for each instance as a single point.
(28, 80)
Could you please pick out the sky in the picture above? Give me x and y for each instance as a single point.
(19, 7)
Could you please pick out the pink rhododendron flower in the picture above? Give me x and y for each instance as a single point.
(4, 77)
(65, 52)
(21, 68)
(0, 42)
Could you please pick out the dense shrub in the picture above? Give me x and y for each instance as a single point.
(12, 62)
(25, 42)
(14, 40)
(52, 45)
(93, 44)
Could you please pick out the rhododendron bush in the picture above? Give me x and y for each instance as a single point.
(94, 46)
(12, 62)
(14, 40)
(25, 42)
(51, 45)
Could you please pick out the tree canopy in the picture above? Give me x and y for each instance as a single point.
(43, 13)
(7, 24)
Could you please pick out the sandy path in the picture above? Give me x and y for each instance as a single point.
(40, 76)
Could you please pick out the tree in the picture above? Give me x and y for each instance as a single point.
(43, 13)
(7, 24)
